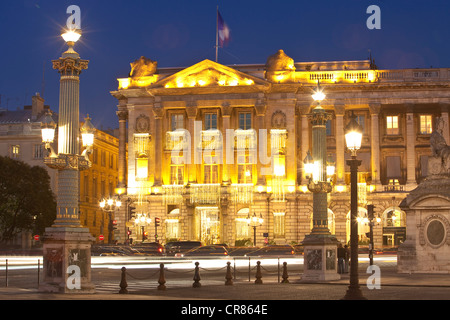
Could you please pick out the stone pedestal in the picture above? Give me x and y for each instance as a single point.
(67, 260)
(427, 208)
(320, 255)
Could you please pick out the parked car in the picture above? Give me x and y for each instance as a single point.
(209, 251)
(273, 250)
(149, 248)
(106, 250)
(178, 247)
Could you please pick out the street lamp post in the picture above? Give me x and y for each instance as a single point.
(67, 245)
(320, 245)
(353, 138)
(254, 222)
(110, 206)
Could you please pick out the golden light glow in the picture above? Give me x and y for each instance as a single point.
(260, 188)
(291, 189)
(340, 188)
(142, 168)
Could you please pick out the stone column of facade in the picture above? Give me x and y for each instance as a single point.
(260, 108)
(226, 115)
(304, 137)
(191, 110)
(339, 111)
(158, 112)
(122, 114)
(121, 214)
(410, 149)
(375, 144)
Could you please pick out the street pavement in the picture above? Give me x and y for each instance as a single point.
(393, 286)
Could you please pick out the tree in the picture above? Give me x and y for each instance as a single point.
(26, 199)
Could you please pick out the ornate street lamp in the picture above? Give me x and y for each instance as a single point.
(353, 138)
(320, 245)
(110, 205)
(67, 245)
(254, 222)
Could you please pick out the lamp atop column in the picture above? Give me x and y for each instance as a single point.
(87, 132)
(71, 36)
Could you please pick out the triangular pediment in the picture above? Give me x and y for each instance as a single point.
(208, 74)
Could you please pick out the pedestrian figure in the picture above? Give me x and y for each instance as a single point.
(341, 258)
(347, 258)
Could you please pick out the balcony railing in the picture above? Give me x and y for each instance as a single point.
(242, 193)
(172, 194)
(177, 140)
(205, 193)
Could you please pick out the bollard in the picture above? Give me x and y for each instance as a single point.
(196, 279)
(6, 272)
(39, 270)
(162, 279)
(229, 276)
(123, 282)
(258, 273)
(285, 273)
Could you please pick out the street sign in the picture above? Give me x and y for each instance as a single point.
(101, 237)
(36, 237)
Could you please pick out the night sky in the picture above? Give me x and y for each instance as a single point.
(413, 34)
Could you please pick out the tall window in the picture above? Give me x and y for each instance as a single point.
(211, 170)
(245, 120)
(361, 119)
(245, 168)
(210, 121)
(392, 125)
(426, 124)
(15, 151)
(176, 121)
(38, 152)
(329, 128)
(177, 171)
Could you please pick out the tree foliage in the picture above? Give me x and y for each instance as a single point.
(26, 199)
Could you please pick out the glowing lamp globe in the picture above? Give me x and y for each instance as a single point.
(71, 36)
(48, 127)
(87, 133)
(353, 135)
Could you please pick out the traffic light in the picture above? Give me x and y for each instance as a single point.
(370, 214)
(114, 225)
(145, 236)
(157, 221)
(131, 212)
(129, 232)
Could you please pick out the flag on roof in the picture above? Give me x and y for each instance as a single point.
(223, 30)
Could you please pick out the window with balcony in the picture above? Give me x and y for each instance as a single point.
(392, 127)
(177, 171)
(245, 168)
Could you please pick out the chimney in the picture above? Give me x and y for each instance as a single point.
(37, 106)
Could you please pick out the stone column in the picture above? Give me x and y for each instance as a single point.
(410, 149)
(226, 115)
(304, 138)
(191, 110)
(339, 111)
(158, 112)
(122, 165)
(260, 108)
(375, 144)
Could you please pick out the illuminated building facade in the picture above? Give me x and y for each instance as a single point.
(209, 145)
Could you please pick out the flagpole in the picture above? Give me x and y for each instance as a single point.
(217, 34)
